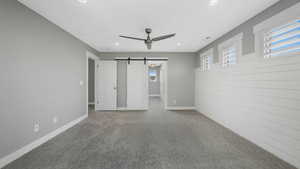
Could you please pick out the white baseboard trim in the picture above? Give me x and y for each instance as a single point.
(180, 108)
(154, 95)
(131, 109)
(19, 153)
(122, 109)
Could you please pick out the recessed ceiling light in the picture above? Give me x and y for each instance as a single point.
(213, 2)
(178, 44)
(117, 43)
(82, 1)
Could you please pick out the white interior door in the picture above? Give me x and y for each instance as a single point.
(137, 86)
(106, 85)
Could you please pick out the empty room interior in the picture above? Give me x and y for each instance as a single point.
(161, 84)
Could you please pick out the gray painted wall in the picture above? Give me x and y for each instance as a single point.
(40, 68)
(247, 29)
(91, 81)
(181, 79)
(154, 86)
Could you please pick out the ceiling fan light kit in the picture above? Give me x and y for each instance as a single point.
(148, 41)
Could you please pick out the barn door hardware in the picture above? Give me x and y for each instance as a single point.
(145, 59)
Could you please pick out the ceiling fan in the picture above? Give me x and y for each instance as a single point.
(149, 41)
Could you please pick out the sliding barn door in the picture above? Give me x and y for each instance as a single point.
(137, 86)
(106, 85)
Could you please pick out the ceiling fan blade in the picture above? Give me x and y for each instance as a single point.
(163, 37)
(149, 46)
(128, 37)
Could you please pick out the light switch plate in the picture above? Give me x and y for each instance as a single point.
(36, 127)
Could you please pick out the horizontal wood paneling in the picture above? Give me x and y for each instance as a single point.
(258, 99)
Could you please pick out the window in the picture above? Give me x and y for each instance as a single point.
(205, 63)
(153, 75)
(229, 56)
(283, 40)
(230, 51)
(206, 60)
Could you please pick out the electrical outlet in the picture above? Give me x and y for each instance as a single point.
(55, 120)
(36, 127)
(174, 102)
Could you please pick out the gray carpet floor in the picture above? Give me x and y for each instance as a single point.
(156, 139)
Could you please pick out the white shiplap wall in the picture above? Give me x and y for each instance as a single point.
(258, 99)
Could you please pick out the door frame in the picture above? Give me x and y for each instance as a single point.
(165, 78)
(89, 55)
(165, 65)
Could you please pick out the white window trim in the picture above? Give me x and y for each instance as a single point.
(209, 52)
(261, 29)
(234, 41)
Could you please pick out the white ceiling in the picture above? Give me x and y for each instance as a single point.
(99, 22)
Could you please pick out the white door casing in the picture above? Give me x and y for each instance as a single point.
(106, 85)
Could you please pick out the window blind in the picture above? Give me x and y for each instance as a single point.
(206, 61)
(229, 56)
(283, 40)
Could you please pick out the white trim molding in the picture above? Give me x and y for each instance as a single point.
(19, 153)
(180, 108)
(91, 55)
(154, 95)
(131, 109)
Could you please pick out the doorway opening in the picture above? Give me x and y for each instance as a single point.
(157, 83)
(90, 81)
